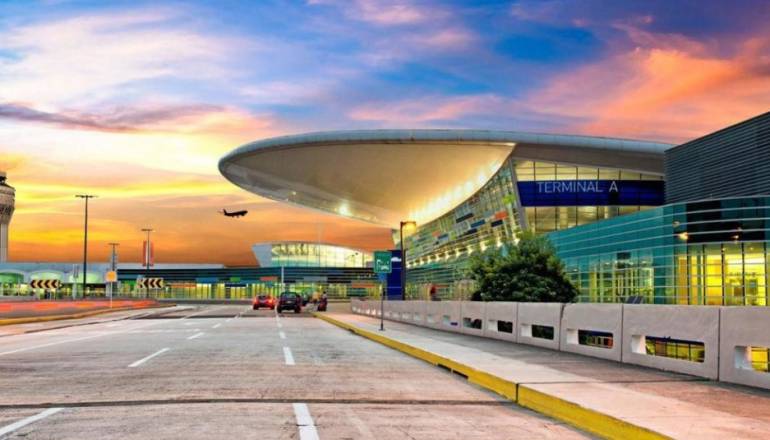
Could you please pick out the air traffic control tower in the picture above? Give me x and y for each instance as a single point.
(7, 202)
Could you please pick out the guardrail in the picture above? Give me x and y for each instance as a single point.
(729, 344)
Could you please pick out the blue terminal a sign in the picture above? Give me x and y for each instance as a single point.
(592, 192)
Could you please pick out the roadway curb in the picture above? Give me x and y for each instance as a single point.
(586, 419)
(31, 319)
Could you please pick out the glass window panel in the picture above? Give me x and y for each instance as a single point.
(733, 267)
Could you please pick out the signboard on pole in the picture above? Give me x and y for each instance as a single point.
(382, 263)
(111, 276)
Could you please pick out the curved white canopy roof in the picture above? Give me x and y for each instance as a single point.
(385, 176)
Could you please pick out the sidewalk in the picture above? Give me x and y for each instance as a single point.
(584, 391)
(20, 312)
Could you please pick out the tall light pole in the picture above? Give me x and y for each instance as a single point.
(147, 252)
(410, 224)
(85, 239)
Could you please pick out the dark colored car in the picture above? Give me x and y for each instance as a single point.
(290, 301)
(263, 301)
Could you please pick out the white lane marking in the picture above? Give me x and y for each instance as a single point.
(280, 325)
(189, 323)
(282, 335)
(197, 335)
(145, 359)
(228, 319)
(305, 422)
(288, 356)
(114, 324)
(24, 422)
(217, 325)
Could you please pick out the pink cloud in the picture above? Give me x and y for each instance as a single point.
(426, 109)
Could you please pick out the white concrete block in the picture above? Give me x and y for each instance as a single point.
(497, 317)
(742, 328)
(546, 316)
(597, 318)
(471, 313)
(686, 323)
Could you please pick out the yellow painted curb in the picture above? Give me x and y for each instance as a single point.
(31, 319)
(586, 419)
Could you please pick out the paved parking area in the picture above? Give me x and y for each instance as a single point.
(225, 371)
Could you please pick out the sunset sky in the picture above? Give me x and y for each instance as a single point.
(137, 101)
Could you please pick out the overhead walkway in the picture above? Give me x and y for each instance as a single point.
(610, 399)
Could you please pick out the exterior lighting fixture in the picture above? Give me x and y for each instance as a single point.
(684, 236)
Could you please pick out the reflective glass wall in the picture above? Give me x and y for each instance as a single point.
(438, 252)
(305, 254)
(707, 253)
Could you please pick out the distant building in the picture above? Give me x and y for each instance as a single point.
(7, 205)
(309, 254)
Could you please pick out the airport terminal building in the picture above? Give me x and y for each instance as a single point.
(468, 190)
(634, 221)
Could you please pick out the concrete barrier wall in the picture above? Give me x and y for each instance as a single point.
(599, 324)
(740, 329)
(699, 324)
(727, 334)
(533, 317)
(505, 313)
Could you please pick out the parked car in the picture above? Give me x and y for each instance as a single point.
(263, 301)
(289, 301)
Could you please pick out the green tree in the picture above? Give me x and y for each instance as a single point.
(527, 272)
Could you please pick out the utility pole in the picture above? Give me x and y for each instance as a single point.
(113, 268)
(147, 255)
(85, 239)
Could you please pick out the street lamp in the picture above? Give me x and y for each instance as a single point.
(410, 224)
(85, 239)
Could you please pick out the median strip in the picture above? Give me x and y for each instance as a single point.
(589, 420)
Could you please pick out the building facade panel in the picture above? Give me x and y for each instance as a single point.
(712, 252)
(733, 162)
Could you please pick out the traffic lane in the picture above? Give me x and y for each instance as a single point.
(242, 358)
(94, 364)
(190, 422)
(278, 421)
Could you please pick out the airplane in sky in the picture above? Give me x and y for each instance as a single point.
(234, 213)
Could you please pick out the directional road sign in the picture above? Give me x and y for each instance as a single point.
(382, 262)
(45, 284)
(151, 283)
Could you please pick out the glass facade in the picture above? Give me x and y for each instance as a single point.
(555, 217)
(305, 254)
(710, 252)
(438, 252)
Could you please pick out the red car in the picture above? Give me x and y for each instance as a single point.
(263, 301)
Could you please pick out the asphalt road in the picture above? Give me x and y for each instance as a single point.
(228, 372)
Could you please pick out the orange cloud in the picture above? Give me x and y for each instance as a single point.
(667, 88)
